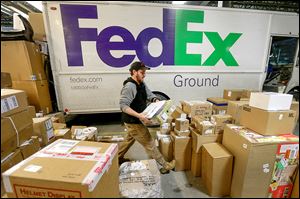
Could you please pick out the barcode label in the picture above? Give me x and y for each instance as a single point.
(48, 124)
(50, 134)
(8, 104)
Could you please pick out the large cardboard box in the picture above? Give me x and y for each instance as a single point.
(233, 94)
(271, 101)
(219, 105)
(43, 128)
(197, 143)
(193, 108)
(23, 60)
(234, 109)
(38, 94)
(217, 165)
(66, 168)
(37, 23)
(12, 101)
(11, 160)
(182, 147)
(254, 159)
(30, 147)
(140, 179)
(220, 121)
(6, 80)
(268, 122)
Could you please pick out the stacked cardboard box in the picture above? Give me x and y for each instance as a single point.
(258, 159)
(43, 128)
(197, 108)
(66, 168)
(197, 142)
(216, 169)
(235, 108)
(165, 146)
(219, 105)
(233, 94)
(220, 121)
(27, 72)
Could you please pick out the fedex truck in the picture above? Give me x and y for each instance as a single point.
(194, 52)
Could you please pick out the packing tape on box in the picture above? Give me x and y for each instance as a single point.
(100, 168)
(12, 122)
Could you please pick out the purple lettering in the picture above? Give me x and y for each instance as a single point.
(73, 34)
(104, 45)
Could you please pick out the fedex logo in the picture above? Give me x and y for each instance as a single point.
(174, 38)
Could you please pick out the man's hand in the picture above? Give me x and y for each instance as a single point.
(144, 119)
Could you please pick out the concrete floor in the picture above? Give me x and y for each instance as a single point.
(175, 184)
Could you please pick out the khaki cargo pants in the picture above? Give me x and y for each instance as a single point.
(141, 134)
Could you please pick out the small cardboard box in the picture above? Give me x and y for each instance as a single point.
(217, 163)
(254, 158)
(268, 122)
(12, 101)
(58, 125)
(30, 147)
(66, 168)
(234, 109)
(247, 93)
(181, 124)
(43, 127)
(271, 101)
(205, 127)
(62, 133)
(6, 80)
(233, 94)
(185, 133)
(219, 105)
(178, 113)
(57, 117)
(220, 121)
(166, 147)
(193, 108)
(182, 152)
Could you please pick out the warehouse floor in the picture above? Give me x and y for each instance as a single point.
(175, 184)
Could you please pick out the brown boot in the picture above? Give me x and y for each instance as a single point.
(167, 167)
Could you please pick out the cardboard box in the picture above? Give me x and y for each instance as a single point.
(67, 168)
(217, 165)
(62, 134)
(254, 159)
(205, 127)
(140, 179)
(30, 147)
(32, 111)
(198, 140)
(158, 112)
(11, 160)
(84, 133)
(271, 101)
(57, 117)
(15, 130)
(220, 121)
(185, 133)
(181, 124)
(295, 191)
(6, 80)
(182, 152)
(166, 148)
(12, 101)
(38, 94)
(268, 122)
(295, 107)
(196, 164)
(193, 108)
(165, 128)
(233, 94)
(29, 60)
(234, 109)
(219, 105)
(37, 23)
(43, 128)
(247, 93)
(178, 113)
(58, 125)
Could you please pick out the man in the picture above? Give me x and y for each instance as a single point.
(133, 102)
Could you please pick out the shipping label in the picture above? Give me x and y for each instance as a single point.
(8, 104)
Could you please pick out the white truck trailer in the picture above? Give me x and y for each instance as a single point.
(194, 52)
